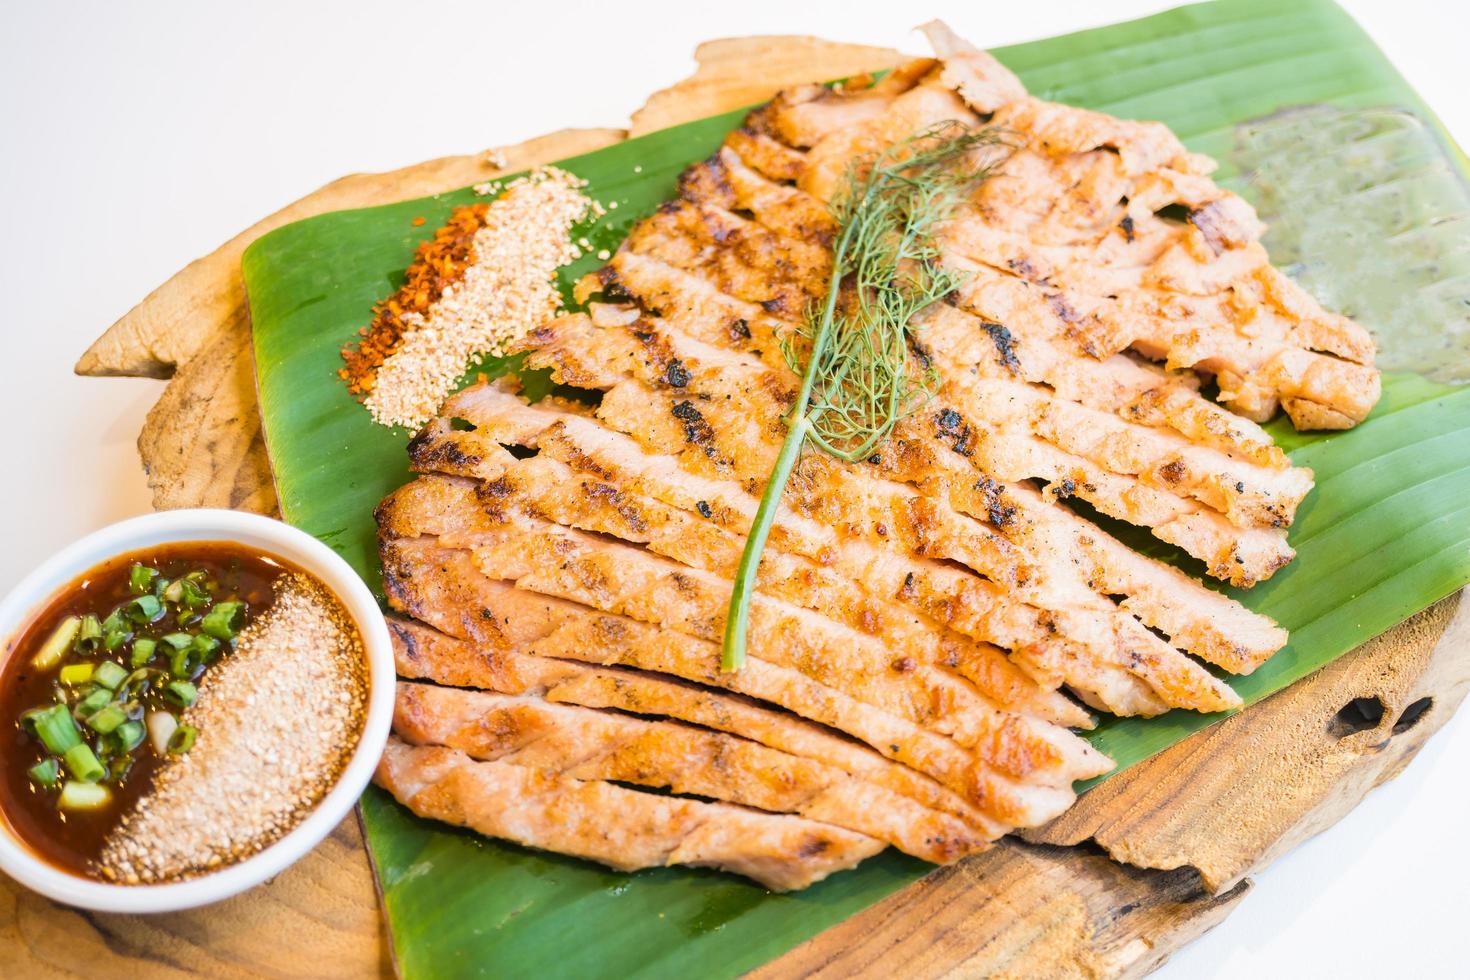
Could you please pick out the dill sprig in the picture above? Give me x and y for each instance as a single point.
(857, 382)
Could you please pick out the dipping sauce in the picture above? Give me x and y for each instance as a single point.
(95, 694)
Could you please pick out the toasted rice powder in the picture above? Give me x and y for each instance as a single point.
(507, 288)
(278, 720)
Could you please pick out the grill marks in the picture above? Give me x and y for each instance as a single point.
(568, 567)
(446, 589)
(1224, 510)
(737, 389)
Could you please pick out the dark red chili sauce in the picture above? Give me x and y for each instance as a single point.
(72, 839)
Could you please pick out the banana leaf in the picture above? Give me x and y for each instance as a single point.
(1367, 200)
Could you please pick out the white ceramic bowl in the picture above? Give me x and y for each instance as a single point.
(268, 536)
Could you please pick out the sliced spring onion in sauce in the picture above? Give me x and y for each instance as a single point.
(89, 638)
(128, 736)
(73, 675)
(190, 595)
(116, 679)
(92, 703)
(82, 762)
(182, 739)
(109, 675)
(107, 719)
(224, 620)
(57, 644)
(84, 796)
(144, 609)
(143, 649)
(115, 630)
(181, 693)
(47, 772)
(140, 579)
(56, 729)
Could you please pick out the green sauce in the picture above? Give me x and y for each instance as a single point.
(1368, 212)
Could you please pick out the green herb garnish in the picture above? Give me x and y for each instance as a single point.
(46, 773)
(82, 762)
(109, 675)
(182, 740)
(140, 579)
(143, 649)
(856, 383)
(224, 620)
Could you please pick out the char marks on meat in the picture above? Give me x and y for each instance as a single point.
(930, 625)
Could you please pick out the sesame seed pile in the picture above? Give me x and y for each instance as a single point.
(278, 720)
(507, 288)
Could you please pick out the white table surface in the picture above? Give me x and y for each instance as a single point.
(135, 137)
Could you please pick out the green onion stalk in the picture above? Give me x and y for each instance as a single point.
(856, 384)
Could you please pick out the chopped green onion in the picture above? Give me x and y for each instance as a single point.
(73, 674)
(128, 736)
(28, 720)
(107, 719)
(179, 641)
(203, 648)
(140, 579)
(109, 675)
(82, 762)
(186, 594)
(56, 729)
(142, 651)
(224, 620)
(181, 663)
(117, 769)
(115, 630)
(83, 796)
(144, 609)
(46, 772)
(93, 702)
(182, 740)
(90, 635)
(56, 644)
(181, 693)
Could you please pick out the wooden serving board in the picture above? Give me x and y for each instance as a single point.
(1142, 865)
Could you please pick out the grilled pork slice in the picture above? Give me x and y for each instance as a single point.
(588, 744)
(941, 592)
(726, 182)
(621, 828)
(1009, 436)
(1267, 494)
(445, 589)
(553, 491)
(1248, 490)
(1198, 293)
(1244, 561)
(723, 431)
(629, 581)
(420, 651)
(1040, 640)
(1136, 391)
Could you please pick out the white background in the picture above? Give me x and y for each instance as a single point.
(135, 137)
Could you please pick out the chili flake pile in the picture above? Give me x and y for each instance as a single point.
(483, 282)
